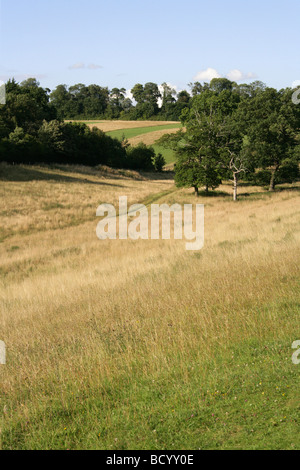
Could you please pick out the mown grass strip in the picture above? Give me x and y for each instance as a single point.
(130, 133)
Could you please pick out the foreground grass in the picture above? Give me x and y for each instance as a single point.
(142, 345)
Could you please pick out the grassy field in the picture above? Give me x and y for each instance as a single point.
(155, 132)
(143, 345)
(147, 132)
(110, 126)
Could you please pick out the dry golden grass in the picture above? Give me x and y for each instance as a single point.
(109, 126)
(76, 311)
(151, 137)
(43, 199)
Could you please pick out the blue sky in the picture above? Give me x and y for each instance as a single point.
(120, 43)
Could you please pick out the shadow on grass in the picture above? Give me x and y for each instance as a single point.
(63, 174)
(265, 193)
(288, 188)
(20, 173)
(214, 194)
(154, 176)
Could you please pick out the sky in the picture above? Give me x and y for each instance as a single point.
(120, 43)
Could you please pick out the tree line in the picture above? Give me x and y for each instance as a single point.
(248, 132)
(95, 102)
(32, 130)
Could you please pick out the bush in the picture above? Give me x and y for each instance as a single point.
(140, 157)
(58, 142)
(289, 172)
(159, 162)
(20, 147)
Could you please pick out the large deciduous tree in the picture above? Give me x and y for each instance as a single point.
(27, 106)
(271, 121)
(211, 146)
(147, 99)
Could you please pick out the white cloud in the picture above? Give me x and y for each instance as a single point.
(161, 90)
(238, 76)
(94, 67)
(296, 84)
(207, 75)
(234, 75)
(174, 87)
(81, 65)
(129, 95)
(77, 66)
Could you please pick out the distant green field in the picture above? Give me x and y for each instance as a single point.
(130, 133)
(168, 154)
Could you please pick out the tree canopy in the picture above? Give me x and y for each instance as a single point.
(235, 131)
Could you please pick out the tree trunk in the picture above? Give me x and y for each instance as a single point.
(207, 189)
(196, 191)
(235, 186)
(272, 181)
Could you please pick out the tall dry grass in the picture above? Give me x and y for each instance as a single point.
(78, 313)
(109, 126)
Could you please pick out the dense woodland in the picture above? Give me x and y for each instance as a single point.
(89, 102)
(231, 131)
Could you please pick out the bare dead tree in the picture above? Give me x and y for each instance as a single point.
(236, 166)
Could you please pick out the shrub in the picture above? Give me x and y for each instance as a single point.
(140, 157)
(159, 162)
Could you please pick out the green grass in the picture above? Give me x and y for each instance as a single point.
(246, 398)
(87, 121)
(168, 154)
(130, 133)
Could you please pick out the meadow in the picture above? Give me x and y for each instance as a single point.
(141, 344)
